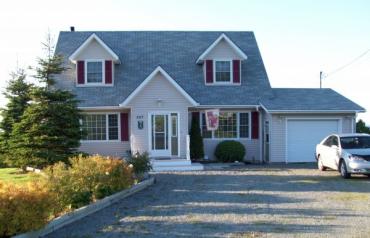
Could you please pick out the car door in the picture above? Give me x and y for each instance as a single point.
(332, 153)
(325, 151)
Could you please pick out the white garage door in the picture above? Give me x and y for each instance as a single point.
(304, 135)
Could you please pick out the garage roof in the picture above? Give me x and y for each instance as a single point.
(312, 99)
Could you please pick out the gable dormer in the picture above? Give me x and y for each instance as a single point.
(94, 63)
(222, 62)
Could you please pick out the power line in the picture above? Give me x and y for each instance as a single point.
(346, 65)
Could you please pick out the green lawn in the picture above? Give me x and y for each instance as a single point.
(16, 175)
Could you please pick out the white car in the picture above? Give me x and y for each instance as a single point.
(347, 153)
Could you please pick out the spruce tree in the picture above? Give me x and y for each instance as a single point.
(196, 140)
(49, 130)
(17, 94)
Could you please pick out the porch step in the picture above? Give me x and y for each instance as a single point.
(170, 162)
(190, 167)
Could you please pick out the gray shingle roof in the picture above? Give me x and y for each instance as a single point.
(299, 99)
(176, 52)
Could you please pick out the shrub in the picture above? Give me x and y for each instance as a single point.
(87, 179)
(140, 162)
(230, 151)
(24, 208)
(196, 140)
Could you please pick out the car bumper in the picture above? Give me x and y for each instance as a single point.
(359, 167)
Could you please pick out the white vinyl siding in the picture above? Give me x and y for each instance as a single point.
(171, 101)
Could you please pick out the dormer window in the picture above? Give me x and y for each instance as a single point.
(94, 72)
(223, 71)
(94, 63)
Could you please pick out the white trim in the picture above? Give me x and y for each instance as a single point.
(242, 55)
(340, 129)
(237, 126)
(152, 76)
(93, 36)
(106, 127)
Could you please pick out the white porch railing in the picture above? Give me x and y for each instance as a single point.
(187, 147)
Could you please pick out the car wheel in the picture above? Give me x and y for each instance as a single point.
(320, 165)
(343, 170)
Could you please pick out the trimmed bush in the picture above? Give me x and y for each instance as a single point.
(87, 179)
(230, 151)
(25, 208)
(141, 163)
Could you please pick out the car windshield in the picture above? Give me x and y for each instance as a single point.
(355, 142)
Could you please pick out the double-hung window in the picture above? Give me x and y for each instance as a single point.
(100, 127)
(232, 125)
(94, 72)
(223, 71)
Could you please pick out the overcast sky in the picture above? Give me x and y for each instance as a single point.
(297, 38)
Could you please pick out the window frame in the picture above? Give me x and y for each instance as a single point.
(103, 71)
(237, 124)
(231, 72)
(106, 126)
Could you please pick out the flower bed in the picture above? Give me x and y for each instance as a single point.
(63, 188)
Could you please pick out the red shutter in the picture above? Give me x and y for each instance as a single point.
(209, 71)
(80, 72)
(236, 71)
(124, 127)
(108, 72)
(255, 125)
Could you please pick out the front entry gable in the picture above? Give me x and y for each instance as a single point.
(161, 88)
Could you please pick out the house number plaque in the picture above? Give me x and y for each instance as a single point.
(140, 122)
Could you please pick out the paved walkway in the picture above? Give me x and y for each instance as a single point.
(248, 201)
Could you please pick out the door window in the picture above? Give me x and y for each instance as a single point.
(329, 141)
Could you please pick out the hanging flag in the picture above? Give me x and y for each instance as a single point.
(212, 116)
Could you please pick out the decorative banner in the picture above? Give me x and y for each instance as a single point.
(212, 119)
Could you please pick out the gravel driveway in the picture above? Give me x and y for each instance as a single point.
(248, 201)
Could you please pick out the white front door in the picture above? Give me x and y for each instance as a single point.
(163, 133)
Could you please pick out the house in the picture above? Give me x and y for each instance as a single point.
(139, 91)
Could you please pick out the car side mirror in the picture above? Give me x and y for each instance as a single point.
(334, 147)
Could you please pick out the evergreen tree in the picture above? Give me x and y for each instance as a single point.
(361, 127)
(17, 93)
(49, 130)
(196, 140)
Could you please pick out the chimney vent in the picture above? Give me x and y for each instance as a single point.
(72, 28)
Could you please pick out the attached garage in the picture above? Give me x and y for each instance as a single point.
(302, 135)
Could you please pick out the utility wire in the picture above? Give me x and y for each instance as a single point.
(346, 65)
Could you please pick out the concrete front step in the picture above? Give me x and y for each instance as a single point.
(191, 167)
(170, 162)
